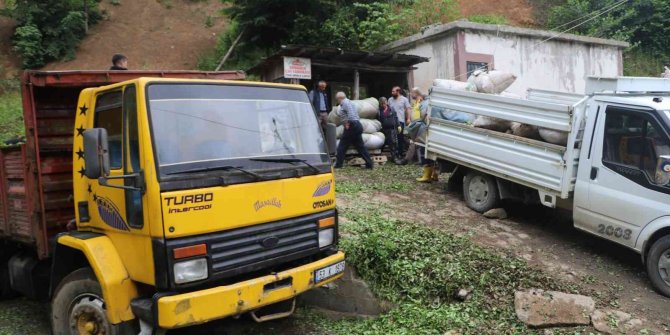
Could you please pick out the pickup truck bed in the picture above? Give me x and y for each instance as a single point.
(549, 168)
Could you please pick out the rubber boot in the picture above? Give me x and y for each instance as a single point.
(427, 172)
(435, 175)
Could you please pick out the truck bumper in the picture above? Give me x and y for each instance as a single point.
(198, 307)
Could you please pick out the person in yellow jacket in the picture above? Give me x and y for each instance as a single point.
(420, 114)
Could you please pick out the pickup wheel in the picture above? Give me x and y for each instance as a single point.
(480, 191)
(78, 307)
(658, 265)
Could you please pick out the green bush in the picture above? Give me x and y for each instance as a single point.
(11, 117)
(420, 268)
(488, 19)
(48, 30)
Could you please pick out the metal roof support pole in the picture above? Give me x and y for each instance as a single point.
(357, 79)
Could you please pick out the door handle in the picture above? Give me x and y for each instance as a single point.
(594, 173)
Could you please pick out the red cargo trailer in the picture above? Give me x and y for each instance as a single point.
(36, 177)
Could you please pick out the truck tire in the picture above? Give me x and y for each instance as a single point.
(658, 265)
(480, 191)
(78, 307)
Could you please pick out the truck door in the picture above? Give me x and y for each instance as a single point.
(115, 211)
(623, 196)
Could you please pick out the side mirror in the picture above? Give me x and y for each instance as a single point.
(96, 153)
(662, 170)
(331, 138)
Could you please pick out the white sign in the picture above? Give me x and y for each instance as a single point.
(297, 68)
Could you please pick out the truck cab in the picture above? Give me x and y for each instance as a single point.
(192, 200)
(622, 192)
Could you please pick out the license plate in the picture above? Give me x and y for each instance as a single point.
(328, 272)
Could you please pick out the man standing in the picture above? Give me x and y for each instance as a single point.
(400, 105)
(321, 102)
(353, 131)
(119, 63)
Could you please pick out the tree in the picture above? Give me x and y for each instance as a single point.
(645, 24)
(50, 29)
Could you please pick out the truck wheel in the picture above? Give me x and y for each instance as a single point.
(480, 191)
(658, 265)
(78, 307)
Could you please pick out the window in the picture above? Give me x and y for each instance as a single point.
(474, 66)
(633, 139)
(108, 115)
(132, 145)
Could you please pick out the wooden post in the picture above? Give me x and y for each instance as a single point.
(357, 78)
(230, 50)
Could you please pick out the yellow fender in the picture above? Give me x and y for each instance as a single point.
(118, 289)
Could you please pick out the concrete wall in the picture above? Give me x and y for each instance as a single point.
(441, 65)
(558, 65)
(554, 65)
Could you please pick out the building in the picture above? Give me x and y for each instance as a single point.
(360, 74)
(540, 59)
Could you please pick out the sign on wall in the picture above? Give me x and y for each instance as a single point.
(297, 68)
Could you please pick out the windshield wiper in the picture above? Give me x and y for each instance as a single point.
(225, 168)
(287, 160)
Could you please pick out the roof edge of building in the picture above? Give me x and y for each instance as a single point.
(434, 31)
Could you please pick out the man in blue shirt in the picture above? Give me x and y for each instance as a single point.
(353, 131)
(321, 102)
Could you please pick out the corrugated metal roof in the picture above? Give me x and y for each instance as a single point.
(335, 56)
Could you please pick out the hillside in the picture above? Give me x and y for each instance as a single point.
(173, 34)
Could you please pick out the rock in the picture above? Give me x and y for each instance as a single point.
(347, 297)
(538, 308)
(463, 294)
(618, 322)
(496, 213)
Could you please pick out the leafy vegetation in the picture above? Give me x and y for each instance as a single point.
(50, 29)
(488, 19)
(11, 116)
(643, 23)
(363, 24)
(420, 269)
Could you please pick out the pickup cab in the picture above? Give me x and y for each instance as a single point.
(613, 173)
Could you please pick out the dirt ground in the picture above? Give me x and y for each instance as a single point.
(542, 236)
(517, 12)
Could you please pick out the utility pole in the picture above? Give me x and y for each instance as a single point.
(86, 17)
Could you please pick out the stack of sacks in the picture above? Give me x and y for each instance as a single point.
(491, 82)
(372, 141)
(372, 135)
(366, 108)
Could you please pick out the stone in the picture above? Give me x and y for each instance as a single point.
(542, 309)
(617, 322)
(496, 213)
(463, 294)
(347, 297)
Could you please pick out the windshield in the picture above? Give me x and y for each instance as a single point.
(208, 126)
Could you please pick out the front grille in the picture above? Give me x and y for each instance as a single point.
(244, 246)
(241, 251)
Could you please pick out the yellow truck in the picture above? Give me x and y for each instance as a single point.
(162, 200)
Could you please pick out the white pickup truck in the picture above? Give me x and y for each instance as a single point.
(613, 173)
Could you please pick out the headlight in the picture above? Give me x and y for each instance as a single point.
(326, 237)
(189, 271)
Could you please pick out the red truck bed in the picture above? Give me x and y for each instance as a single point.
(36, 177)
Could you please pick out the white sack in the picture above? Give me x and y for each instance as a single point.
(554, 136)
(666, 73)
(366, 108)
(371, 126)
(455, 85)
(492, 82)
(491, 123)
(374, 141)
(339, 131)
(524, 130)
